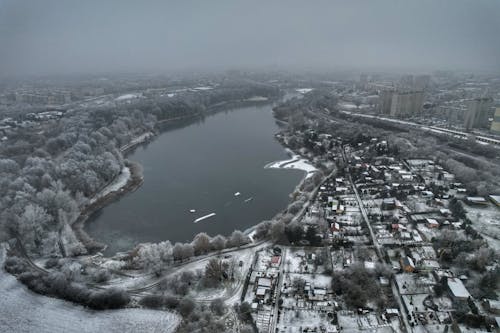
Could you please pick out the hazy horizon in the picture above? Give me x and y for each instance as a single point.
(56, 37)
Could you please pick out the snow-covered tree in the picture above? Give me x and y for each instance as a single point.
(182, 251)
(201, 243)
(238, 239)
(218, 243)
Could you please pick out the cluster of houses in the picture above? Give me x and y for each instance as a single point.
(29, 120)
(261, 285)
(408, 204)
(340, 211)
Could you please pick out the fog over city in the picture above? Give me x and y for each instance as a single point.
(58, 37)
(259, 166)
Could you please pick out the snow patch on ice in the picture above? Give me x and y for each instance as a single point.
(295, 162)
(304, 90)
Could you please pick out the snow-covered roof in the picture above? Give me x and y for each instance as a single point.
(369, 265)
(432, 221)
(264, 282)
(457, 288)
(476, 199)
(260, 291)
(495, 198)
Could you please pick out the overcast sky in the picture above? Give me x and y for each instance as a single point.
(95, 36)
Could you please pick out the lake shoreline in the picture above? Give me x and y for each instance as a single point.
(136, 178)
(133, 183)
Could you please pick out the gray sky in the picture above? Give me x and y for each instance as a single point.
(95, 36)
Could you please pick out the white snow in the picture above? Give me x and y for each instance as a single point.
(257, 99)
(119, 182)
(295, 162)
(24, 311)
(138, 139)
(203, 88)
(304, 90)
(204, 217)
(347, 106)
(127, 96)
(486, 221)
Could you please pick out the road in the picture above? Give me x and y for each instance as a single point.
(175, 268)
(367, 220)
(440, 130)
(274, 318)
(378, 249)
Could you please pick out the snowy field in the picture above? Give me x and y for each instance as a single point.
(24, 311)
(295, 162)
(316, 280)
(299, 321)
(486, 221)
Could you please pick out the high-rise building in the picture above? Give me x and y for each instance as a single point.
(495, 125)
(384, 101)
(363, 81)
(478, 112)
(406, 103)
(453, 114)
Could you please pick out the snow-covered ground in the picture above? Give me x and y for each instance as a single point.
(316, 280)
(257, 99)
(138, 139)
(304, 90)
(486, 220)
(347, 106)
(116, 185)
(300, 320)
(203, 88)
(24, 311)
(127, 96)
(295, 162)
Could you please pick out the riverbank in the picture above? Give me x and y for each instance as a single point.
(143, 138)
(128, 181)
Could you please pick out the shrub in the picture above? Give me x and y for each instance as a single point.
(51, 263)
(218, 307)
(153, 301)
(112, 298)
(101, 275)
(186, 306)
(171, 302)
(15, 265)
